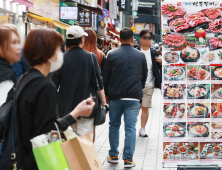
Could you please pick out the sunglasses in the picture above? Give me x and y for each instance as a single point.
(149, 38)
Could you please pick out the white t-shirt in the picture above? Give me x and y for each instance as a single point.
(150, 78)
(5, 87)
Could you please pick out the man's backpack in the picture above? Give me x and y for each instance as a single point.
(12, 156)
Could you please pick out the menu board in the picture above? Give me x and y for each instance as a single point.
(192, 88)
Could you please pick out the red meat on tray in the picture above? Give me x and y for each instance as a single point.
(179, 24)
(213, 13)
(189, 17)
(216, 25)
(172, 10)
(216, 42)
(174, 40)
(196, 21)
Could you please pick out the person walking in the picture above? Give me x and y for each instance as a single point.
(153, 79)
(37, 105)
(124, 75)
(10, 52)
(76, 80)
(90, 45)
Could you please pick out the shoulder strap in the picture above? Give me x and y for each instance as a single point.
(96, 77)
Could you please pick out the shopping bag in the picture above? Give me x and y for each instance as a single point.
(51, 157)
(81, 154)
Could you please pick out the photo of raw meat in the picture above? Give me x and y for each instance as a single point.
(174, 40)
(171, 10)
(213, 12)
(215, 42)
(216, 25)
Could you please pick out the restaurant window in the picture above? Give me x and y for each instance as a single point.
(145, 10)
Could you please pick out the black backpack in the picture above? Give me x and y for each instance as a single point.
(12, 156)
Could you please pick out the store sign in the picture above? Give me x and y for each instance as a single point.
(46, 8)
(134, 29)
(192, 100)
(102, 24)
(106, 13)
(68, 13)
(135, 5)
(142, 26)
(146, 4)
(134, 13)
(85, 18)
(122, 5)
(113, 9)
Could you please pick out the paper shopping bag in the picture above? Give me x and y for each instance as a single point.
(81, 154)
(51, 157)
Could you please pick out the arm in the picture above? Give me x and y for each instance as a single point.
(57, 77)
(144, 72)
(97, 74)
(106, 73)
(5, 87)
(46, 111)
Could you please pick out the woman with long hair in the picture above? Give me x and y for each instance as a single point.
(90, 45)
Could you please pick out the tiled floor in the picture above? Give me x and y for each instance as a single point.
(148, 155)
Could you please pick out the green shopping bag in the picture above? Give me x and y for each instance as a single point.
(51, 157)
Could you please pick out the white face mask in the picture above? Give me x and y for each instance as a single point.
(56, 65)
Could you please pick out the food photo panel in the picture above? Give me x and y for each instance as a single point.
(171, 57)
(198, 129)
(180, 151)
(210, 150)
(198, 91)
(216, 72)
(174, 130)
(216, 110)
(174, 73)
(198, 110)
(174, 91)
(216, 91)
(174, 110)
(198, 72)
(216, 136)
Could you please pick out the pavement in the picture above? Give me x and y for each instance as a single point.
(148, 153)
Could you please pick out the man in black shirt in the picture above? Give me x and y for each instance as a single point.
(124, 75)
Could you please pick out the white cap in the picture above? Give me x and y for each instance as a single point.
(76, 31)
(156, 46)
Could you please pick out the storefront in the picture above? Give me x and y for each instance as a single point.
(14, 13)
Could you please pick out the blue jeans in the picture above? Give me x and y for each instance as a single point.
(130, 110)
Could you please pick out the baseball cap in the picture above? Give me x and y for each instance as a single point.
(156, 46)
(76, 31)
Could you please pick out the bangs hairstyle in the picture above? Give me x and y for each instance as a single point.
(5, 37)
(40, 45)
(145, 31)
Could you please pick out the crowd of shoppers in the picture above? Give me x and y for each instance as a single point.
(127, 81)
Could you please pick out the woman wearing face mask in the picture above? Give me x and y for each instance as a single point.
(10, 52)
(37, 105)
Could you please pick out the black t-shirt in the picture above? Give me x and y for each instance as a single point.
(38, 110)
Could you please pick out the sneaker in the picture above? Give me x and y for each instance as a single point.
(128, 163)
(114, 160)
(142, 133)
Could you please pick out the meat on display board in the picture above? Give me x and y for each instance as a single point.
(192, 76)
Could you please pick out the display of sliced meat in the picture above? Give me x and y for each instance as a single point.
(172, 10)
(216, 42)
(178, 21)
(213, 13)
(216, 25)
(181, 27)
(174, 40)
(196, 21)
(189, 17)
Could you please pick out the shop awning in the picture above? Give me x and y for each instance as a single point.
(27, 3)
(49, 21)
(93, 9)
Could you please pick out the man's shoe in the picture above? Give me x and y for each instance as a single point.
(114, 160)
(142, 133)
(128, 163)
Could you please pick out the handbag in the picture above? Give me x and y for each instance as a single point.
(100, 116)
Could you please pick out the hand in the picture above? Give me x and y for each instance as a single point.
(103, 104)
(159, 60)
(107, 99)
(84, 108)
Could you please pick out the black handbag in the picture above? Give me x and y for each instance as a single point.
(100, 115)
